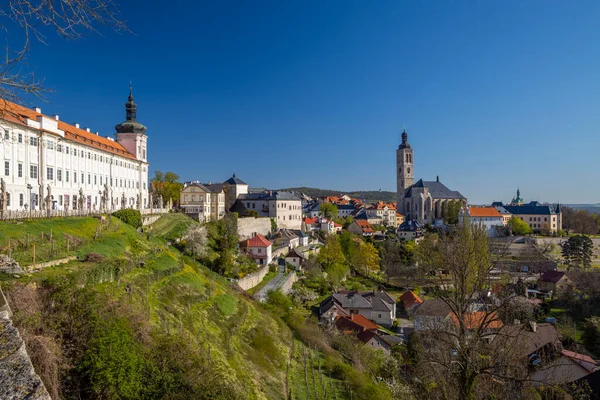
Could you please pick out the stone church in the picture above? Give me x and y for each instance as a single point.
(424, 201)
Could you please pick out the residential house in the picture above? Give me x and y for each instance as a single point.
(295, 258)
(361, 227)
(567, 367)
(365, 331)
(314, 210)
(234, 187)
(379, 307)
(284, 207)
(399, 218)
(302, 237)
(310, 224)
(410, 301)
(285, 237)
(382, 212)
(203, 202)
(345, 210)
(259, 249)
(556, 281)
(488, 218)
(410, 230)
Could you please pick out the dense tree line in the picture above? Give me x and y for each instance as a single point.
(580, 221)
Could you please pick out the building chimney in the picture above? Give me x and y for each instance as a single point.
(97, 133)
(76, 125)
(533, 326)
(87, 129)
(38, 110)
(56, 117)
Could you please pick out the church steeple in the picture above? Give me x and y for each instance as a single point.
(130, 125)
(404, 144)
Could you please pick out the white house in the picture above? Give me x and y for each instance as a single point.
(487, 217)
(259, 249)
(295, 258)
(41, 152)
(284, 207)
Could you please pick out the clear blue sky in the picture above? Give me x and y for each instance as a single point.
(494, 95)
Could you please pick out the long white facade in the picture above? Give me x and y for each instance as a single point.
(40, 153)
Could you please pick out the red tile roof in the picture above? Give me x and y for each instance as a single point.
(258, 241)
(586, 362)
(365, 226)
(552, 276)
(354, 323)
(18, 114)
(409, 299)
(484, 212)
(311, 221)
(476, 319)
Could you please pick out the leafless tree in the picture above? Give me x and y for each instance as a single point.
(468, 353)
(25, 20)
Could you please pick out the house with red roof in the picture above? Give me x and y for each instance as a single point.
(410, 300)
(361, 227)
(567, 367)
(259, 249)
(488, 218)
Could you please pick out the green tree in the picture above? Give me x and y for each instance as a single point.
(577, 251)
(167, 186)
(519, 227)
(332, 259)
(328, 210)
(366, 257)
(451, 211)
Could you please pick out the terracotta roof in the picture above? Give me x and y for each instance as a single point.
(484, 212)
(258, 241)
(476, 319)
(354, 322)
(337, 225)
(364, 225)
(17, 114)
(310, 221)
(409, 299)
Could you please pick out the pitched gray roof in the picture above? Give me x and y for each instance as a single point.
(437, 190)
(380, 305)
(214, 187)
(351, 300)
(433, 307)
(235, 181)
(269, 196)
(533, 208)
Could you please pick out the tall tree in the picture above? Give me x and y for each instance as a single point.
(459, 358)
(519, 227)
(332, 259)
(328, 210)
(167, 186)
(577, 251)
(37, 20)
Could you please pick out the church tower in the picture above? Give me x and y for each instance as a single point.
(404, 168)
(131, 134)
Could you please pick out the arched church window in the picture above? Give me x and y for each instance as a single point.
(410, 158)
(406, 157)
(400, 170)
(408, 170)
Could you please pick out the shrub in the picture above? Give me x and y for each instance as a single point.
(130, 217)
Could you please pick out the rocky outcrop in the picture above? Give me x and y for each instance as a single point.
(9, 266)
(18, 379)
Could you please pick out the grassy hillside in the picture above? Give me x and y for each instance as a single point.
(369, 196)
(148, 322)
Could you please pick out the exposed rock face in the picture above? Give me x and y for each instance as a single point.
(9, 265)
(18, 379)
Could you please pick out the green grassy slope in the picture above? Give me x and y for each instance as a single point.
(182, 329)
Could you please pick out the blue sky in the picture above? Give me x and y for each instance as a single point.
(494, 95)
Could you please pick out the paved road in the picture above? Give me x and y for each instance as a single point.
(273, 284)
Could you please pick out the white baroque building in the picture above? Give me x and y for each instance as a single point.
(40, 153)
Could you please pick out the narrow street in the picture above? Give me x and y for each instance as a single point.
(272, 285)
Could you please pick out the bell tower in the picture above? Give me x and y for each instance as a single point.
(404, 168)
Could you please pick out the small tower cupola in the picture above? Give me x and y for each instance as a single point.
(404, 144)
(130, 125)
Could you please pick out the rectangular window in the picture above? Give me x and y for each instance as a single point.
(75, 152)
(20, 139)
(50, 144)
(20, 170)
(67, 149)
(33, 171)
(20, 199)
(8, 199)
(89, 179)
(33, 141)
(60, 201)
(59, 148)
(89, 155)
(144, 185)
(82, 178)
(59, 175)
(7, 168)
(95, 180)
(50, 173)
(6, 134)
(66, 176)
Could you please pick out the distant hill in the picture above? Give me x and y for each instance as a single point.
(593, 208)
(365, 195)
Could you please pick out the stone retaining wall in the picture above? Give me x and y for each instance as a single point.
(247, 226)
(286, 285)
(253, 279)
(18, 379)
(39, 266)
(149, 219)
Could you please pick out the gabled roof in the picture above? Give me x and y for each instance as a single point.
(410, 225)
(529, 341)
(294, 253)
(552, 276)
(409, 299)
(587, 362)
(270, 195)
(533, 208)
(17, 114)
(235, 181)
(364, 225)
(258, 241)
(214, 187)
(354, 322)
(310, 221)
(433, 308)
(351, 300)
